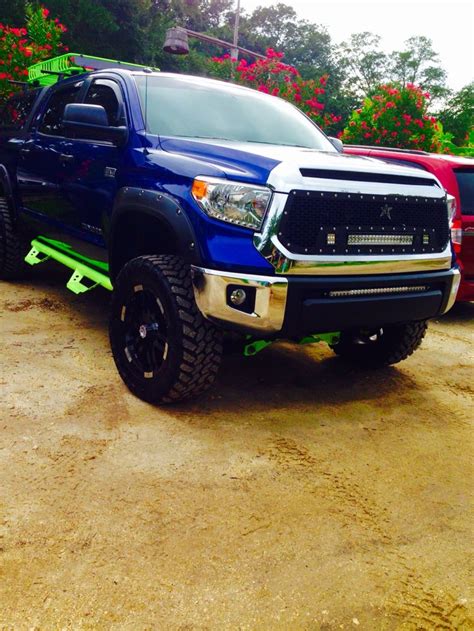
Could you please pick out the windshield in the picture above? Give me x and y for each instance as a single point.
(187, 107)
(465, 178)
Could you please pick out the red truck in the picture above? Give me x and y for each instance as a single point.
(456, 174)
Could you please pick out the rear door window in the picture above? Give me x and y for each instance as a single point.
(465, 179)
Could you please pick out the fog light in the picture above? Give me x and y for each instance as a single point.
(238, 297)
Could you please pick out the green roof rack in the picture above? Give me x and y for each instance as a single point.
(52, 70)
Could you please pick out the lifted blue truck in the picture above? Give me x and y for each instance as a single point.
(210, 208)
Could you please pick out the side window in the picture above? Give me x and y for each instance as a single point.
(465, 179)
(16, 111)
(104, 92)
(52, 121)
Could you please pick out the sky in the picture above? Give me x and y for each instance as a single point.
(449, 25)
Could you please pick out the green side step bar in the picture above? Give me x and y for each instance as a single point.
(83, 268)
(96, 272)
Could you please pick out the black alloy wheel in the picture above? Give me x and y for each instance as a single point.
(163, 347)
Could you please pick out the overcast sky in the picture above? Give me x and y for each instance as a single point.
(448, 24)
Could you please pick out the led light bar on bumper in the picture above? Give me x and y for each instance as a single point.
(235, 202)
(343, 293)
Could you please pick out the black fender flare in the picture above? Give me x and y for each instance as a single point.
(162, 207)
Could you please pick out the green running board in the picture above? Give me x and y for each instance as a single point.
(42, 251)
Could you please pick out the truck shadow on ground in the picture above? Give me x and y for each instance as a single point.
(289, 376)
(461, 312)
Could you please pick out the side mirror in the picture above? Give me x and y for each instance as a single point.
(337, 143)
(84, 120)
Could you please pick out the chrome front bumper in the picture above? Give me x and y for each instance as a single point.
(211, 291)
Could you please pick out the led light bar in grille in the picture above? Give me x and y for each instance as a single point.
(380, 239)
(341, 293)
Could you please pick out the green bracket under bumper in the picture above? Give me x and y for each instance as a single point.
(328, 338)
(42, 251)
(255, 346)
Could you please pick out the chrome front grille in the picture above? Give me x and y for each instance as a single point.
(325, 223)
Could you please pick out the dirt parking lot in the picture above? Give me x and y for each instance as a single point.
(299, 494)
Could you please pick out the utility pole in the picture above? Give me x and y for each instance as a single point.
(235, 50)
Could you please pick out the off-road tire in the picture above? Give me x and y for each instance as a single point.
(12, 248)
(157, 291)
(383, 346)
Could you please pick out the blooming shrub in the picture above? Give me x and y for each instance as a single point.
(272, 76)
(396, 117)
(22, 47)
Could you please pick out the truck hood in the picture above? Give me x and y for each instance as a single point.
(281, 166)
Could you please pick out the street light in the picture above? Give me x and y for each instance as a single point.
(176, 42)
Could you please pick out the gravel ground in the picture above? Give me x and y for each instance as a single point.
(299, 494)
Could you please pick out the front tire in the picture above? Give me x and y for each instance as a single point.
(381, 346)
(163, 347)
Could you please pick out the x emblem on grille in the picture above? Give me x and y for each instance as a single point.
(385, 211)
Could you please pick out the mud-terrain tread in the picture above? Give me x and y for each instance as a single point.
(201, 341)
(398, 342)
(12, 249)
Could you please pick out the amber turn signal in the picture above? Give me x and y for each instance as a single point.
(199, 189)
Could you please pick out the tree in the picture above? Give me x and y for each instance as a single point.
(198, 15)
(418, 64)
(458, 115)
(364, 61)
(12, 11)
(40, 38)
(274, 25)
(395, 116)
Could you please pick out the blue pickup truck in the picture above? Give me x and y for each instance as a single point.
(209, 208)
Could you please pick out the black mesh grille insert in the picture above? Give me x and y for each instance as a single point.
(325, 223)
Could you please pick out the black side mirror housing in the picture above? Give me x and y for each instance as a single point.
(85, 120)
(337, 143)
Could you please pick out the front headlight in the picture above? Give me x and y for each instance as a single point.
(235, 202)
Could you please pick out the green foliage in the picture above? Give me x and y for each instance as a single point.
(396, 116)
(367, 66)
(418, 64)
(466, 150)
(364, 61)
(458, 115)
(38, 39)
(134, 30)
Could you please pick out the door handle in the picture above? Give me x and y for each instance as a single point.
(66, 157)
(25, 151)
